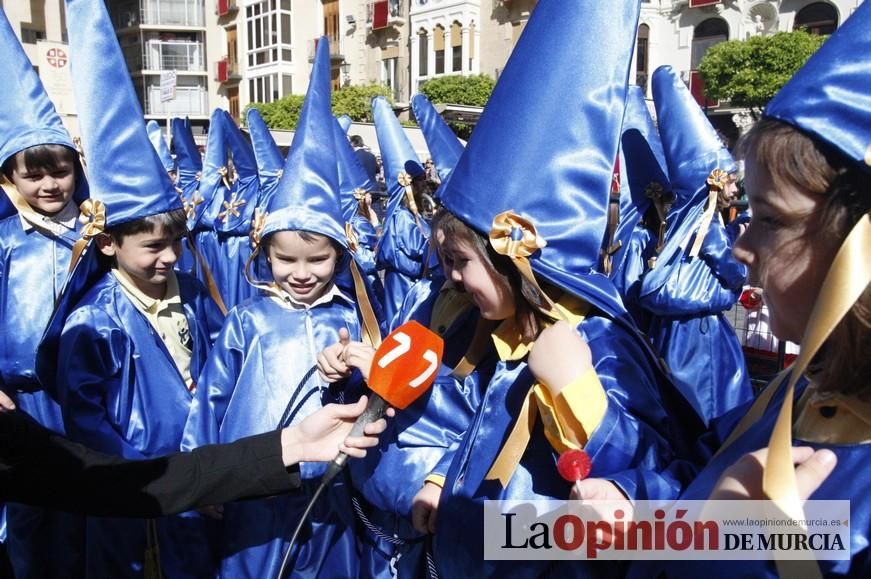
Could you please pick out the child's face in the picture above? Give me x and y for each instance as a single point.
(786, 248)
(304, 269)
(463, 265)
(46, 191)
(148, 258)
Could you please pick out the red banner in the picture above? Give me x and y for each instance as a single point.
(380, 11)
(700, 3)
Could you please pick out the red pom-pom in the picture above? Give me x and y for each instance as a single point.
(574, 465)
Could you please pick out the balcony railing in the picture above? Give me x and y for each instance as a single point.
(226, 71)
(189, 100)
(173, 13)
(335, 49)
(174, 55)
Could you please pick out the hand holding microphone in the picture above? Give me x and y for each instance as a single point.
(402, 369)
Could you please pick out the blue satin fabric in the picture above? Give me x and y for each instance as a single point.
(828, 97)
(444, 146)
(307, 197)
(188, 158)
(258, 361)
(397, 155)
(686, 300)
(626, 447)
(849, 481)
(33, 267)
(345, 122)
(155, 135)
(562, 181)
(124, 169)
(401, 253)
(28, 117)
(420, 440)
(122, 394)
(642, 164)
(231, 231)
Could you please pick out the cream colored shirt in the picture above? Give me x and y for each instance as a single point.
(167, 317)
(58, 224)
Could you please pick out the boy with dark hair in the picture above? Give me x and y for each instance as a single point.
(129, 336)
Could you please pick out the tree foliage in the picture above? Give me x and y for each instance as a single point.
(459, 90)
(748, 73)
(354, 101)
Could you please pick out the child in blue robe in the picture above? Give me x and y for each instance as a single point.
(695, 278)
(403, 249)
(43, 175)
(539, 185)
(808, 181)
(260, 372)
(128, 336)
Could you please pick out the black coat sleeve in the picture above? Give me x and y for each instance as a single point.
(42, 468)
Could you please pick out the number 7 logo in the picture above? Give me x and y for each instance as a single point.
(405, 364)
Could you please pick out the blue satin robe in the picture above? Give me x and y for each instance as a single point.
(848, 481)
(627, 448)
(419, 440)
(258, 361)
(689, 329)
(33, 267)
(402, 252)
(627, 273)
(234, 244)
(367, 239)
(122, 394)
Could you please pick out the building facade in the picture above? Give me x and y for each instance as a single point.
(229, 53)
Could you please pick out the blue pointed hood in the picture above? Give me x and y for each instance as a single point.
(553, 166)
(187, 155)
(307, 197)
(690, 144)
(155, 135)
(353, 179)
(643, 169)
(345, 122)
(444, 146)
(695, 158)
(27, 117)
(830, 96)
(238, 208)
(125, 172)
(215, 180)
(397, 154)
(270, 161)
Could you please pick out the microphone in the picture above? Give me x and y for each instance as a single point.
(403, 368)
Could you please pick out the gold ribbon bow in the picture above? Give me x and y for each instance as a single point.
(717, 181)
(92, 216)
(351, 236)
(77, 141)
(515, 237)
(190, 207)
(258, 222)
(224, 173)
(231, 207)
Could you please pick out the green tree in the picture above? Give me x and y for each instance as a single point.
(459, 90)
(280, 114)
(356, 101)
(748, 73)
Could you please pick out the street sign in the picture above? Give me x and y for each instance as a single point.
(167, 85)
